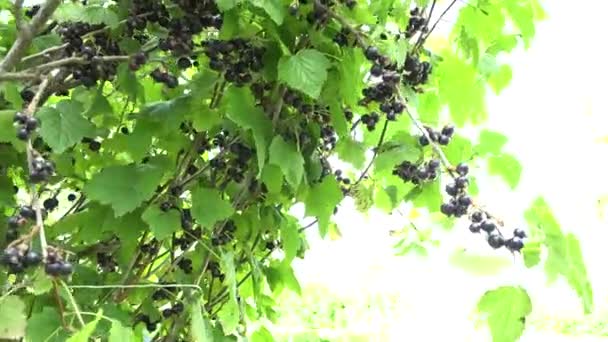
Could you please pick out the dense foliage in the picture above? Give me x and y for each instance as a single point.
(151, 153)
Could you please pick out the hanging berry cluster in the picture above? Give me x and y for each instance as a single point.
(26, 125)
(460, 201)
(225, 235)
(20, 257)
(416, 23)
(417, 174)
(442, 137)
(238, 58)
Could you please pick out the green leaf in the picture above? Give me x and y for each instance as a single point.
(12, 318)
(91, 14)
(522, 14)
(241, 110)
(305, 71)
(501, 78)
(286, 156)
(261, 335)
(290, 240)
(162, 224)
(352, 152)
(505, 310)
(351, 76)
(7, 130)
(127, 83)
(461, 90)
(85, 333)
(124, 187)
(41, 283)
(272, 178)
(208, 207)
(199, 326)
(120, 333)
(322, 200)
(490, 142)
(564, 254)
(64, 125)
(226, 5)
(275, 9)
(531, 253)
(479, 264)
(506, 166)
(230, 313)
(42, 325)
(394, 155)
(459, 149)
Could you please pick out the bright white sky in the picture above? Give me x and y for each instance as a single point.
(554, 112)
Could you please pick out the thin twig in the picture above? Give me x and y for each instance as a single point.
(18, 76)
(73, 302)
(376, 151)
(78, 60)
(60, 305)
(421, 41)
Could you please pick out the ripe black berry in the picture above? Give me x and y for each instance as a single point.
(31, 123)
(167, 313)
(32, 258)
(477, 217)
(448, 131)
(443, 140)
(448, 209)
(475, 228)
(165, 206)
(71, 197)
(53, 269)
(371, 53)
(14, 222)
(520, 233)
(495, 241)
(65, 268)
(461, 182)
(423, 141)
(27, 212)
(451, 189)
(488, 226)
(27, 95)
(515, 244)
(23, 133)
(462, 169)
(94, 146)
(184, 63)
(124, 130)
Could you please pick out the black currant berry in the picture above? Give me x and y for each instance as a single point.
(184, 63)
(65, 268)
(14, 222)
(477, 217)
(27, 95)
(27, 212)
(495, 241)
(31, 123)
(71, 197)
(448, 130)
(178, 308)
(32, 258)
(515, 244)
(23, 133)
(53, 269)
(94, 146)
(488, 226)
(20, 118)
(475, 228)
(423, 140)
(167, 313)
(124, 130)
(462, 169)
(520, 233)
(371, 53)
(461, 182)
(451, 189)
(448, 209)
(165, 206)
(443, 140)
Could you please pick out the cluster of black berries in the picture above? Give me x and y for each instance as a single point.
(442, 137)
(382, 92)
(151, 247)
(18, 220)
(72, 32)
(165, 292)
(319, 14)
(185, 265)
(145, 319)
(481, 221)
(164, 77)
(416, 23)
(137, 60)
(417, 174)
(214, 269)
(238, 58)
(55, 266)
(328, 137)
(50, 203)
(233, 159)
(106, 262)
(18, 258)
(176, 309)
(459, 202)
(416, 72)
(225, 235)
(41, 170)
(370, 120)
(26, 125)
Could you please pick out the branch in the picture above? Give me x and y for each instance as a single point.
(78, 60)
(18, 76)
(26, 34)
(18, 14)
